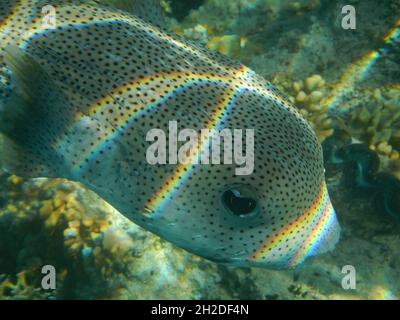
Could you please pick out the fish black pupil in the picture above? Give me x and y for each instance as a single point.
(238, 204)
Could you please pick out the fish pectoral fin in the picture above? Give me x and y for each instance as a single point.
(149, 10)
(28, 118)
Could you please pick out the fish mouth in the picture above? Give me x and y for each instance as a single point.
(319, 230)
(331, 238)
(324, 233)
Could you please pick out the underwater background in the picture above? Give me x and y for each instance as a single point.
(346, 83)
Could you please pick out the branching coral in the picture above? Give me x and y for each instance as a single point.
(97, 253)
(307, 95)
(377, 122)
(47, 222)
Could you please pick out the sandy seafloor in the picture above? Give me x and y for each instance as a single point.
(99, 254)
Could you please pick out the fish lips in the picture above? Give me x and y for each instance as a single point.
(320, 232)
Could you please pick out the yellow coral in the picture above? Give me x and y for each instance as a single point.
(67, 229)
(376, 121)
(307, 95)
(229, 45)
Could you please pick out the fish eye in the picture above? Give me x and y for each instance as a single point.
(239, 201)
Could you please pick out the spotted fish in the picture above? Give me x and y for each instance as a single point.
(78, 98)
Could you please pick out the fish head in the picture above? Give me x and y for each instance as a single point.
(275, 213)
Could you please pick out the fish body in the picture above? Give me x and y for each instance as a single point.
(79, 98)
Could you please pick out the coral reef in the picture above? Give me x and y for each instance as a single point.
(219, 20)
(307, 96)
(375, 120)
(297, 38)
(96, 252)
(198, 33)
(360, 166)
(46, 223)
